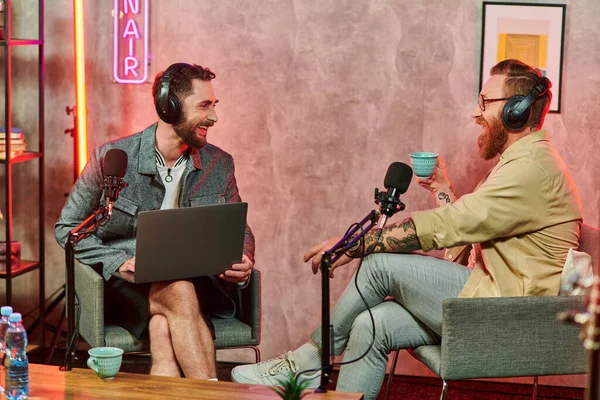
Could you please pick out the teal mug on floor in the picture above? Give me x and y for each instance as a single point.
(423, 163)
(105, 361)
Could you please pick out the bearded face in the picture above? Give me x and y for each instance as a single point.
(198, 114)
(493, 138)
(192, 132)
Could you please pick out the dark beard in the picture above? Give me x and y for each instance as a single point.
(186, 130)
(492, 142)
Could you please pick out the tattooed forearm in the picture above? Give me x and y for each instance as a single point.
(444, 196)
(376, 248)
(371, 245)
(407, 224)
(400, 237)
(406, 245)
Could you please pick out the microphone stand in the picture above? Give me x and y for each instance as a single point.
(86, 228)
(329, 257)
(389, 205)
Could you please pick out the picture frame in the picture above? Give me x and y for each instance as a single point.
(529, 32)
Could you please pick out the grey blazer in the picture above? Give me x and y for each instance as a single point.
(208, 179)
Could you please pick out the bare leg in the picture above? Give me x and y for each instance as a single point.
(191, 338)
(164, 362)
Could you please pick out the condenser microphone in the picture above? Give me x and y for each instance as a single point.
(397, 179)
(114, 167)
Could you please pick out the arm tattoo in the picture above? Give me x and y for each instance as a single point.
(389, 243)
(444, 196)
(370, 244)
(379, 246)
(406, 245)
(408, 224)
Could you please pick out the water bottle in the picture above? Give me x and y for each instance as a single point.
(16, 365)
(4, 313)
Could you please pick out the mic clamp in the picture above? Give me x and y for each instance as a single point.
(112, 186)
(389, 203)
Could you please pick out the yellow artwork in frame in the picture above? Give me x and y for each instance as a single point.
(529, 32)
(531, 49)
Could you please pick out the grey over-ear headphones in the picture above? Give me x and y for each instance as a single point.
(517, 109)
(168, 106)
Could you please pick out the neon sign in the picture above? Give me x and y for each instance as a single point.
(130, 63)
(81, 109)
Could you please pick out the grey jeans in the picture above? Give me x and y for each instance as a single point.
(419, 285)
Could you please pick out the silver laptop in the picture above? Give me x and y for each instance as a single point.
(186, 243)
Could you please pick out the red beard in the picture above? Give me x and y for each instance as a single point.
(492, 140)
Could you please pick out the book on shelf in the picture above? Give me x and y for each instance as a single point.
(16, 149)
(16, 133)
(12, 141)
(13, 154)
(13, 147)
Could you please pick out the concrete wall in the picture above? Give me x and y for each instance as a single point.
(316, 100)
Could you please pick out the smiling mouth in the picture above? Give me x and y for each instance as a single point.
(203, 130)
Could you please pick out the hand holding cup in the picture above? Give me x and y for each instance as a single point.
(439, 184)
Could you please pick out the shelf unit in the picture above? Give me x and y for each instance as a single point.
(25, 266)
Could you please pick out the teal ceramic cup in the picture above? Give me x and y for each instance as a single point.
(423, 163)
(105, 361)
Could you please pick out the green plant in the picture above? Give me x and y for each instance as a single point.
(291, 388)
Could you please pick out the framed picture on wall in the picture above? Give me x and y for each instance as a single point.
(532, 33)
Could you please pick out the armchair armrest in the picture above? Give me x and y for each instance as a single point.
(89, 287)
(250, 307)
(510, 336)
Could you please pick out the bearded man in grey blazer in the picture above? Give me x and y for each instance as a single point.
(170, 165)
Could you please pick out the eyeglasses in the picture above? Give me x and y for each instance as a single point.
(483, 101)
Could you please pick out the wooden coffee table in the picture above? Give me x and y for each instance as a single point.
(48, 382)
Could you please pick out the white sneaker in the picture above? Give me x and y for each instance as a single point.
(270, 372)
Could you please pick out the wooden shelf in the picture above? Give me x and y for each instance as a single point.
(28, 155)
(23, 268)
(33, 39)
(21, 42)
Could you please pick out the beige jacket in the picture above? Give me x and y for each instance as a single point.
(526, 216)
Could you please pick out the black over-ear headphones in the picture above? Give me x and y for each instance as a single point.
(518, 108)
(168, 106)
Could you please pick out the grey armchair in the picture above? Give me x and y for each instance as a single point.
(242, 331)
(508, 336)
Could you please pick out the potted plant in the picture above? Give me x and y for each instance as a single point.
(291, 388)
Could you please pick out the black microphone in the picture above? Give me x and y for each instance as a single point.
(397, 179)
(114, 167)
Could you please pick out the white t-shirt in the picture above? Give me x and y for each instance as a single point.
(171, 178)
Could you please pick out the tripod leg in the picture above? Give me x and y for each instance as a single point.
(61, 321)
(60, 296)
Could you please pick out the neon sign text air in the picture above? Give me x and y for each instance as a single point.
(130, 63)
